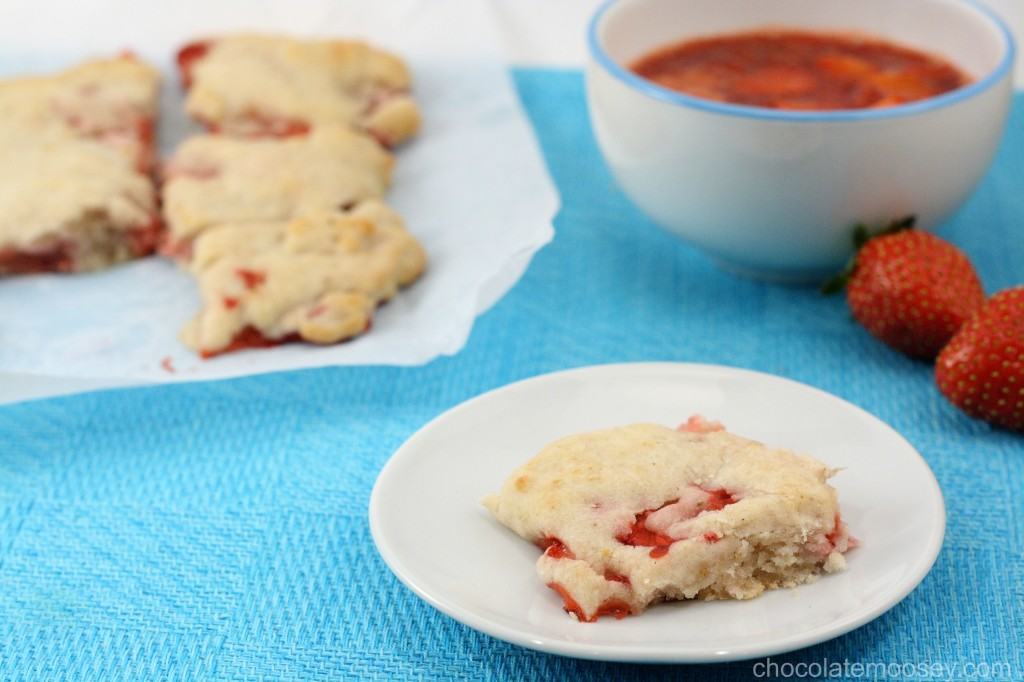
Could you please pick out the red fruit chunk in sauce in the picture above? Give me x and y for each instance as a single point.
(789, 69)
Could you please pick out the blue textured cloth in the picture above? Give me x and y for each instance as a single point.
(218, 531)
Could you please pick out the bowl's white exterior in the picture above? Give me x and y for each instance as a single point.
(777, 197)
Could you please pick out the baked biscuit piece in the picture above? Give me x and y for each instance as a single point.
(272, 85)
(315, 278)
(75, 152)
(113, 101)
(213, 180)
(640, 514)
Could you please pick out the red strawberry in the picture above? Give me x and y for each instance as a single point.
(981, 371)
(911, 289)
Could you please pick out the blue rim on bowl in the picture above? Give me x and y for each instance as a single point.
(673, 97)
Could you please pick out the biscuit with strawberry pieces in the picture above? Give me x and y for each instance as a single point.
(316, 278)
(212, 180)
(631, 516)
(76, 150)
(279, 86)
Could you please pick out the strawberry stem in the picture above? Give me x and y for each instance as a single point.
(861, 236)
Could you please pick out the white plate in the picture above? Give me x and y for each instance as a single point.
(431, 530)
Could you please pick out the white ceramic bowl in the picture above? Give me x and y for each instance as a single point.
(775, 193)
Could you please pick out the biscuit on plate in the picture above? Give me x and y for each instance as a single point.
(631, 516)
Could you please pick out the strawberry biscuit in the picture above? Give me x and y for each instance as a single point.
(76, 149)
(631, 516)
(214, 180)
(317, 278)
(278, 86)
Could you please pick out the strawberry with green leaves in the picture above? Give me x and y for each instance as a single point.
(909, 288)
(981, 371)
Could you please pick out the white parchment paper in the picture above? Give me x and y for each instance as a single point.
(472, 187)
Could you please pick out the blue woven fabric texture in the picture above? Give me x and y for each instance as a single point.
(218, 531)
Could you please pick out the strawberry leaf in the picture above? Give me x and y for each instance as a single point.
(861, 236)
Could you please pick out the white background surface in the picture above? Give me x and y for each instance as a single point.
(532, 33)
